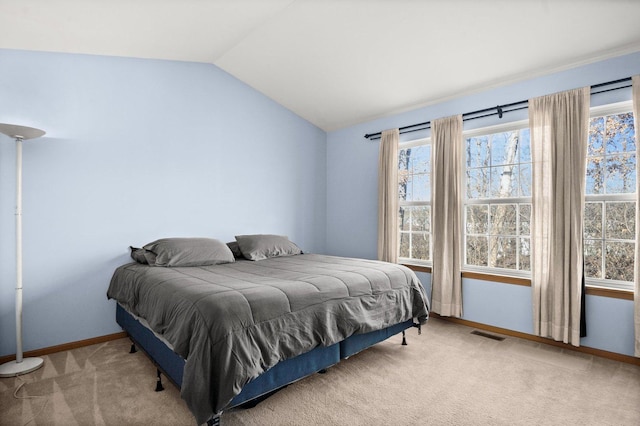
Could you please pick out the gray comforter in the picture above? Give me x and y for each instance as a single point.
(234, 321)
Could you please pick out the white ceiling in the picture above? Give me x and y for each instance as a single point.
(339, 62)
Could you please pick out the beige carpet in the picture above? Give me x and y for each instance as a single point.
(446, 376)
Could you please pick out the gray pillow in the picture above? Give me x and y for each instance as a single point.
(235, 249)
(189, 252)
(263, 246)
(143, 256)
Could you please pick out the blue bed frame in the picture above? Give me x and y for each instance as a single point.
(282, 374)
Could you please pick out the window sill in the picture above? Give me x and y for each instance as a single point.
(609, 292)
(417, 267)
(590, 290)
(497, 278)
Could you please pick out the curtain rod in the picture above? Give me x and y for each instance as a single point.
(498, 110)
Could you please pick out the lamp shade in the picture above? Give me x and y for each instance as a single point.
(20, 132)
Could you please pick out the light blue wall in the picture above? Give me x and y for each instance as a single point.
(609, 320)
(498, 304)
(138, 150)
(352, 198)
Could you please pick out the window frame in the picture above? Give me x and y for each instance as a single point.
(403, 203)
(489, 270)
(599, 111)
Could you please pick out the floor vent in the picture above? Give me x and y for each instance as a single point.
(487, 335)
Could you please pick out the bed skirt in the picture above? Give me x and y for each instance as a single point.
(282, 374)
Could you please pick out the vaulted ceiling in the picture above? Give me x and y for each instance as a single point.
(339, 62)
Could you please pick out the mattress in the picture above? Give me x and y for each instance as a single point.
(234, 321)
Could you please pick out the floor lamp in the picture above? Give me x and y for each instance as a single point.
(20, 365)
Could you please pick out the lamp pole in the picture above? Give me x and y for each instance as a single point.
(21, 365)
(19, 354)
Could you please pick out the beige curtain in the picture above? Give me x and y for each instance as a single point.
(636, 278)
(388, 197)
(559, 129)
(446, 205)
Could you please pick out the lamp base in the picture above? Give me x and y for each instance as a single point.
(12, 368)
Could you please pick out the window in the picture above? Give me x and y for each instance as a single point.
(414, 189)
(610, 197)
(497, 199)
(497, 212)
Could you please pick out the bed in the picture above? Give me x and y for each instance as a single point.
(232, 330)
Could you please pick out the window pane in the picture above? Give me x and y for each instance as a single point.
(477, 253)
(621, 220)
(525, 219)
(477, 183)
(503, 219)
(404, 156)
(414, 223)
(409, 188)
(595, 175)
(404, 244)
(621, 174)
(504, 181)
(525, 180)
(403, 180)
(525, 254)
(420, 246)
(593, 258)
(596, 135)
(504, 148)
(502, 252)
(593, 220)
(404, 218)
(421, 218)
(420, 159)
(478, 151)
(619, 261)
(525, 146)
(414, 173)
(421, 187)
(620, 133)
(477, 221)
